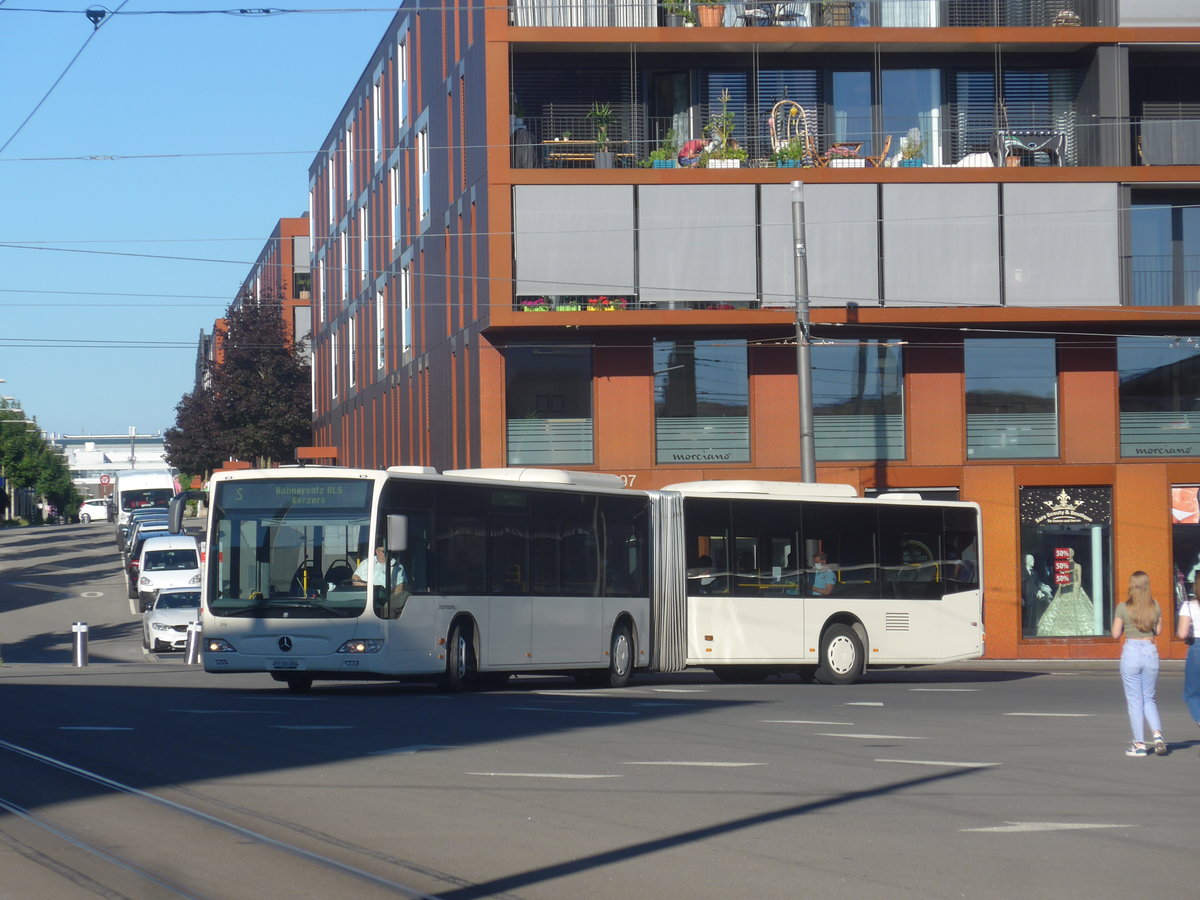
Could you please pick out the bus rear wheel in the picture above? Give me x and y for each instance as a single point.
(460, 659)
(841, 656)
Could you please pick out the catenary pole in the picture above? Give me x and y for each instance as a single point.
(808, 451)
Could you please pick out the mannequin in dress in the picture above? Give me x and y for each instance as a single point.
(1070, 612)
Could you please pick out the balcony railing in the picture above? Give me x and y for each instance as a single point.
(564, 137)
(810, 13)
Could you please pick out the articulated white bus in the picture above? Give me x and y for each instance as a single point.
(470, 576)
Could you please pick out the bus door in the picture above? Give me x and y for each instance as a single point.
(509, 629)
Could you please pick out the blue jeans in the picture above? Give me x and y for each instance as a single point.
(1139, 674)
(1191, 680)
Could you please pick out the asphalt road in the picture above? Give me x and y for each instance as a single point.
(139, 776)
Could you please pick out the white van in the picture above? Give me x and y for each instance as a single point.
(167, 561)
(138, 488)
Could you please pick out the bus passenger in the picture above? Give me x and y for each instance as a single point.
(823, 578)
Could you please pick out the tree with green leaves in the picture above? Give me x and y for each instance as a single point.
(256, 403)
(27, 460)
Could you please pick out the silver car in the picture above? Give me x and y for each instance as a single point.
(165, 623)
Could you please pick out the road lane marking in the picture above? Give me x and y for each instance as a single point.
(94, 728)
(936, 762)
(877, 737)
(865, 703)
(230, 712)
(410, 751)
(679, 762)
(667, 690)
(1013, 827)
(314, 727)
(540, 775)
(945, 690)
(600, 693)
(804, 722)
(567, 709)
(1055, 715)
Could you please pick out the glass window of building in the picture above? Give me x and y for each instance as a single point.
(548, 398)
(1066, 561)
(1012, 398)
(1160, 396)
(701, 401)
(1164, 258)
(858, 400)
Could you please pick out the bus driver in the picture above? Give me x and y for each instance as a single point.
(381, 566)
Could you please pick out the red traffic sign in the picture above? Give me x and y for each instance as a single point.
(104, 479)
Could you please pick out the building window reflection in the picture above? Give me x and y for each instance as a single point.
(858, 400)
(1012, 398)
(1160, 396)
(701, 401)
(549, 405)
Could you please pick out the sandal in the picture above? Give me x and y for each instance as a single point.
(1160, 746)
(1136, 749)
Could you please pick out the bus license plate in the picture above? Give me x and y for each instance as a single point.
(287, 664)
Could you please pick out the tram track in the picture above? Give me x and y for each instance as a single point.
(119, 841)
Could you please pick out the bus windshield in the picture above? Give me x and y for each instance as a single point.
(287, 548)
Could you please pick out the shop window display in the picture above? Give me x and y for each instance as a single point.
(1066, 557)
(1185, 541)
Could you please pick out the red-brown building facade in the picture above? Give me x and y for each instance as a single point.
(1001, 249)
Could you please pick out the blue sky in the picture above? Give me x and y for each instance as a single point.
(121, 263)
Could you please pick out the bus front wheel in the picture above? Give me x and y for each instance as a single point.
(841, 656)
(620, 656)
(460, 659)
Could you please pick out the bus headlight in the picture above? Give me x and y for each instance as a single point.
(362, 645)
(218, 645)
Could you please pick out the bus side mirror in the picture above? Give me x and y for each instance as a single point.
(177, 506)
(397, 533)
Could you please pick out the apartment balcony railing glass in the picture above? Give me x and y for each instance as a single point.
(1034, 135)
(810, 13)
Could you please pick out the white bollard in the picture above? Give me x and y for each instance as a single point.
(79, 644)
(191, 652)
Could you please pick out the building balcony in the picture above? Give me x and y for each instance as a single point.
(767, 136)
(806, 13)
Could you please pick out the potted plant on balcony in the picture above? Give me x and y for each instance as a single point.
(723, 151)
(675, 13)
(793, 154)
(838, 13)
(711, 13)
(666, 154)
(912, 149)
(601, 115)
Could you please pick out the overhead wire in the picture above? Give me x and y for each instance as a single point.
(63, 74)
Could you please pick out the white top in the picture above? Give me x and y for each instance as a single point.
(1191, 609)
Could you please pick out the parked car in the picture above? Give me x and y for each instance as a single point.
(94, 510)
(131, 559)
(125, 529)
(165, 624)
(166, 562)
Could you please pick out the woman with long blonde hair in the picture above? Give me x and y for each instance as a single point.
(1140, 620)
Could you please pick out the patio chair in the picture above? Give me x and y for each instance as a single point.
(789, 122)
(880, 158)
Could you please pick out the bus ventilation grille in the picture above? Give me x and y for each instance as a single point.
(895, 622)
